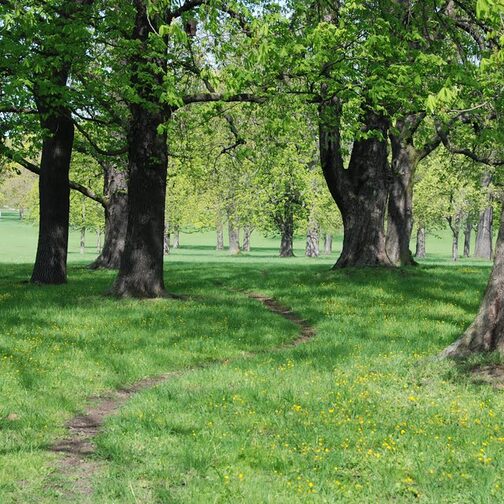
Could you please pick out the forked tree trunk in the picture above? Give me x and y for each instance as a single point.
(116, 218)
(486, 333)
(400, 203)
(483, 247)
(361, 191)
(234, 238)
(247, 232)
(141, 270)
(467, 238)
(420, 243)
(54, 196)
(328, 241)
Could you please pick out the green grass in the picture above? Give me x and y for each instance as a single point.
(361, 414)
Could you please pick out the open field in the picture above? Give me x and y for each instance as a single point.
(361, 413)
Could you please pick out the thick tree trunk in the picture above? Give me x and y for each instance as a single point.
(328, 240)
(247, 232)
(50, 89)
(400, 202)
(116, 218)
(361, 191)
(486, 333)
(420, 243)
(54, 197)
(467, 238)
(141, 269)
(483, 246)
(234, 238)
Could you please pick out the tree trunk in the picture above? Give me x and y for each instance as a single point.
(420, 243)
(287, 237)
(454, 223)
(328, 240)
(141, 269)
(50, 94)
(486, 333)
(467, 238)
(220, 236)
(98, 241)
(361, 191)
(455, 247)
(483, 246)
(312, 241)
(54, 196)
(247, 232)
(234, 238)
(176, 237)
(116, 218)
(82, 240)
(166, 241)
(400, 202)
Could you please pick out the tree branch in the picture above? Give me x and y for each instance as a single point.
(28, 165)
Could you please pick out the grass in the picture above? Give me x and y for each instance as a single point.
(361, 414)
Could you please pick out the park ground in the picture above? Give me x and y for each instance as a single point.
(362, 413)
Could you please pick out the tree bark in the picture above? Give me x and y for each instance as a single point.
(361, 191)
(166, 240)
(141, 270)
(400, 203)
(176, 237)
(287, 237)
(54, 195)
(49, 92)
(328, 241)
(420, 243)
(486, 333)
(98, 241)
(116, 218)
(467, 238)
(220, 236)
(454, 223)
(234, 238)
(247, 232)
(484, 247)
(312, 241)
(82, 240)
(484, 238)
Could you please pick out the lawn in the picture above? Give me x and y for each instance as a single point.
(361, 413)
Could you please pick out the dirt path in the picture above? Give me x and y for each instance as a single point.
(77, 463)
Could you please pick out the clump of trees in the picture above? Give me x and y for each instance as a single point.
(242, 103)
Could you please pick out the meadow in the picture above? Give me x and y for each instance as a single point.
(362, 413)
